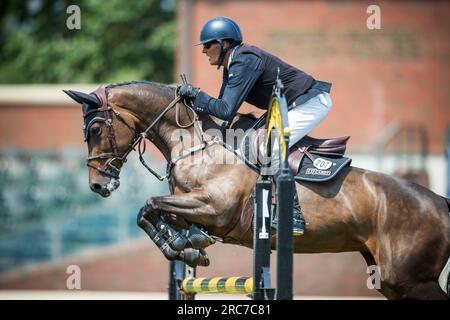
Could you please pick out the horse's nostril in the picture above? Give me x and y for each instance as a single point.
(96, 187)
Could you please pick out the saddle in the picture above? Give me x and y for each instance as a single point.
(310, 159)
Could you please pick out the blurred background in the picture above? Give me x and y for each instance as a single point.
(390, 93)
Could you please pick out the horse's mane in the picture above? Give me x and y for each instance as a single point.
(143, 83)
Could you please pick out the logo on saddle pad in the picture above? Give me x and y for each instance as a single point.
(317, 171)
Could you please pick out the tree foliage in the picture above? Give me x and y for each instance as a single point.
(118, 41)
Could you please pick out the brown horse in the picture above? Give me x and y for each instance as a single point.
(401, 227)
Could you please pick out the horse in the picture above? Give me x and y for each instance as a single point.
(397, 225)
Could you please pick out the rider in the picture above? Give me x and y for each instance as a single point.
(249, 74)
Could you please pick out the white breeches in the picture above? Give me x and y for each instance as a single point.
(302, 120)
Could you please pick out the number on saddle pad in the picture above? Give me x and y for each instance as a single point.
(322, 168)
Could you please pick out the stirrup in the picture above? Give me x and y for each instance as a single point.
(296, 230)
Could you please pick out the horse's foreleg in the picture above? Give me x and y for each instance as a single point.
(192, 207)
(171, 242)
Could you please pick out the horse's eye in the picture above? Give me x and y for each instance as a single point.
(96, 131)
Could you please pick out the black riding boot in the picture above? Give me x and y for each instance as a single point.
(298, 222)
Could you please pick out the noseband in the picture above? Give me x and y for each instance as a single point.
(109, 169)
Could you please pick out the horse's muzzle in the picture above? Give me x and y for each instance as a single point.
(105, 190)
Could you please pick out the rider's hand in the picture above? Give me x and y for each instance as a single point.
(187, 91)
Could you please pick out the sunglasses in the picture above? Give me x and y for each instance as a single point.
(208, 44)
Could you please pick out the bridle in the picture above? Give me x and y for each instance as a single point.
(109, 169)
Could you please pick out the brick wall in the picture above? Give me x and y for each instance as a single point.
(397, 74)
(45, 127)
(41, 127)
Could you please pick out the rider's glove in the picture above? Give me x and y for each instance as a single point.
(187, 91)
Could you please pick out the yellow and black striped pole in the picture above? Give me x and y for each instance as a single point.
(242, 285)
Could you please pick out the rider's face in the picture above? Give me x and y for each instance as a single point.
(212, 50)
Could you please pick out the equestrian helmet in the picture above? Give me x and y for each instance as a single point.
(220, 28)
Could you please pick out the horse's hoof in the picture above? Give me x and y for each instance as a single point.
(199, 238)
(195, 257)
(203, 259)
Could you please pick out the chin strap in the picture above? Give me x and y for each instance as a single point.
(223, 51)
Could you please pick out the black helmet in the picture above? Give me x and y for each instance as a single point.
(220, 28)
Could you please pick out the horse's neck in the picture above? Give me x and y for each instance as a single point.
(165, 133)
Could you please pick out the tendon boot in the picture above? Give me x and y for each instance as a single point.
(298, 223)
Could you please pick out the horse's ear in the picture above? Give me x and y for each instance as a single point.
(81, 97)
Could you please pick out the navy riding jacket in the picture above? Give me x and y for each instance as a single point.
(250, 76)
